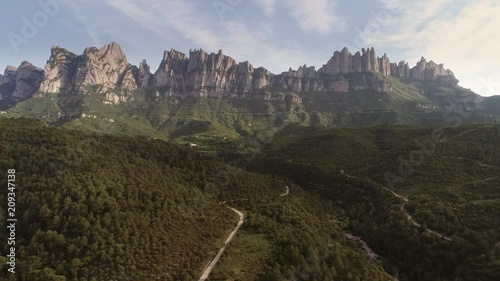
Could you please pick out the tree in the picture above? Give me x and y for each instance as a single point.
(76, 264)
(47, 274)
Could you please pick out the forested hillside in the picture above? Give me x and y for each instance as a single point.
(443, 221)
(99, 207)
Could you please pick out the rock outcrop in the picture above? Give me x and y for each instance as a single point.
(59, 71)
(28, 79)
(8, 82)
(207, 75)
(18, 84)
(344, 63)
(401, 69)
(201, 74)
(312, 81)
(217, 75)
(105, 68)
(430, 71)
(144, 76)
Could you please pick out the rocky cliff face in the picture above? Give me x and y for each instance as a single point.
(344, 63)
(341, 74)
(209, 75)
(59, 71)
(8, 82)
(106, 68)
(307, 79)
(430, 71)
(18, 84)
(217, 75)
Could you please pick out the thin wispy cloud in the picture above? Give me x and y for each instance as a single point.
(406, 21)
(238, 39)
(315, 15)
(462, 34)
(79, 16)
(268, 6)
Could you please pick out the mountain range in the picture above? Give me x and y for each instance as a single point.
(361, 170)
(362, 83)
(213, 75)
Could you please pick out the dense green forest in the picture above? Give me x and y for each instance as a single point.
(99, 207)
(307, 243)
(451, 186)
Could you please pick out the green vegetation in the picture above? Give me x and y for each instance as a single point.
(178, 119)
(108, 208)
(130, 205)
(452, 187)
(101, 207)
(243, 258)
(294, 237)
(44, 107)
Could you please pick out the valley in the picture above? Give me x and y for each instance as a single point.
(361, 170)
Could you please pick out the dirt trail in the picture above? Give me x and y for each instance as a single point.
(210, 267)
(287, 192)
(408, 216)
(212, 264)
(371, 254)
(415, 223)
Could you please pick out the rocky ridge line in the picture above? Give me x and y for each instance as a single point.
(200, 74)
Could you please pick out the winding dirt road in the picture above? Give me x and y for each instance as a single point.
(212, 264)
(210, 267)
(287, 191)
(408, 216)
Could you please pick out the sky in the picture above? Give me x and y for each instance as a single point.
(275, 34)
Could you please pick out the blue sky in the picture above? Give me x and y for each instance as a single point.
(276, 34)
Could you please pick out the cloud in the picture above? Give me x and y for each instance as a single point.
(461, 34)
(315, 15)
(400, 22)
(240, 39)
(268, 6)
(78, 13)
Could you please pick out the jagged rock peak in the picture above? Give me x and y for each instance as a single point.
(425, 71)
(217, 75)
(245, 67)
(174, 54)
(57, 53)
(107, 67)
(57, 71)
(25, 64)
(102, 66)
(143, 75)
(344, 62)
(20, 83)
(144, 65)
(10, 68)
(112, 50)
(90, 50)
